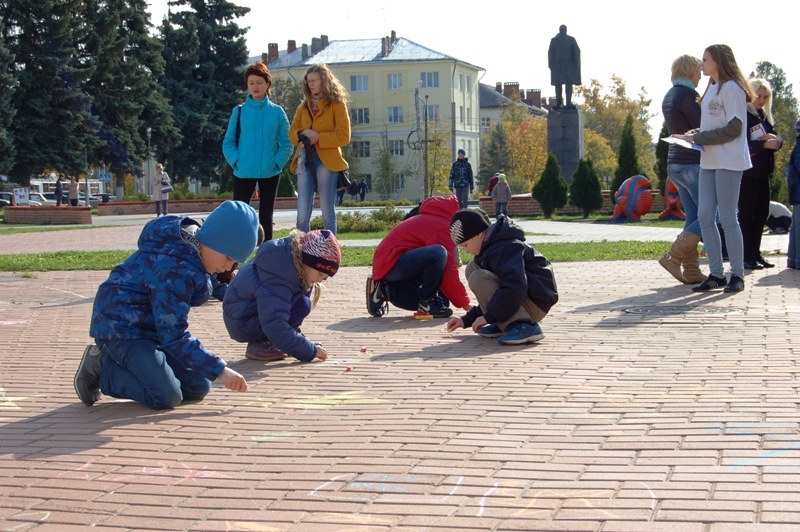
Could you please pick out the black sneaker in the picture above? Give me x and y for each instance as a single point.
(377, 305)
(735, 285)
(710, 284)
(435, 308)
(87, 378)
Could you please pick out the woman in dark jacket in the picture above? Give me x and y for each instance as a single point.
(682, 114)
(754, 191)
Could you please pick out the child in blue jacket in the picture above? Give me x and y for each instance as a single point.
(144, 350)
(269, 298)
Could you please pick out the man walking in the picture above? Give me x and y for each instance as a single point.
(461, 181)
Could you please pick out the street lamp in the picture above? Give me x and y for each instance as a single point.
(149, 130)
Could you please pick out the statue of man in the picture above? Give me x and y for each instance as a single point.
(564, 60)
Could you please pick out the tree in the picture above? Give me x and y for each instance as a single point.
(526, 138)
(785, 110)
(494, 155)
(440, 157)
(627, 163)
(597, 149)
(662, 153)
(205, 53)
(551, 189)
(126, 96)
(7, 88)
(387, 180)
(584, 191)
(53, 125)
(606, 113)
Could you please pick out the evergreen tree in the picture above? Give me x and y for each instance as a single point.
(7, 111)
(551, 189)
(206, 54)
(53, 126)
(627, 162)
(124, 89)
(662, 153)
(585, 191)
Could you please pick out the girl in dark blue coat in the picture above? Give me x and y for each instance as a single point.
(267, 301)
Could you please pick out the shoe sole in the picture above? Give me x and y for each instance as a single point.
(270, 358)
(491, 335)
(77, 381)
(529, 340)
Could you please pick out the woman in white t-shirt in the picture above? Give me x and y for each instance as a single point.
(723, 136)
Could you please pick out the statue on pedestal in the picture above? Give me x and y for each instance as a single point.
(564, 60)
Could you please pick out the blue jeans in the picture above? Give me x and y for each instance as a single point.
(416, 276)
(327, 181)
(500, 206)
(686, 178)
(719, 193)
(793, 260)
(462, 194)
(140, 370)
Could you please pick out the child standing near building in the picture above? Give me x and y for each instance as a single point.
(269, 298)
(502, 195)
(793, 260)
(514, 283)
(144, 350)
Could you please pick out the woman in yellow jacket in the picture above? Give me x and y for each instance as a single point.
(323, 120)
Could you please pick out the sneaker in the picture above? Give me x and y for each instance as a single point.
(435, 308)
(522, 333)
(710, 284)
(263, 352)
(490, 331)
(377, 305)
(87, 378)
(736, 284)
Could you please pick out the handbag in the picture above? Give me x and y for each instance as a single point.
(166, 189)
(228, 170)
(344, 180)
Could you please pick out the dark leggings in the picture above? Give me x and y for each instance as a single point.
(754, 195)
(267, 190)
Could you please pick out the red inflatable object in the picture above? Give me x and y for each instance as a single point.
(633, 199)
(672, 201)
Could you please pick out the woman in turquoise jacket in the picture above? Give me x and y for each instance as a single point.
(256, 144)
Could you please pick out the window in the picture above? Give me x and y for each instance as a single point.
(469, 116)
(486, 122)
(397, 147)
(394, 82)
(429, 79)
(368, 179)
(401, 182)
(359, 116)
(461, 113)
(359, 83)
(362, 148)
(469, 83)
(460, 82)
(433, 112)
(395, 115)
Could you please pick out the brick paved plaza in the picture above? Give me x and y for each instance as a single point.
(646, 407)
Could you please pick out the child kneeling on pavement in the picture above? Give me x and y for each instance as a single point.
(144, 350)
(513, 282)
(267, 301)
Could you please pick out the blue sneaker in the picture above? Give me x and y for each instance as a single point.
(522, 333)
(490, 331)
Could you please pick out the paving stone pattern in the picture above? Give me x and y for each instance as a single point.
(645, 408)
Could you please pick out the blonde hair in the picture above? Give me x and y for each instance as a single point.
(728, 70)
(758, 84)
(685, 67)
(332, 89)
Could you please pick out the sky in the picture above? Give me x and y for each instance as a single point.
(636, 40)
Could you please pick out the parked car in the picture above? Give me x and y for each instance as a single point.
(41, 199)
(51, 197)
(8, 198)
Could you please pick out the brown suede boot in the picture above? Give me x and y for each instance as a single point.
(671, 261)
(691, 258)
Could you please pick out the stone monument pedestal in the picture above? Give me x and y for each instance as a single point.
(565, 139)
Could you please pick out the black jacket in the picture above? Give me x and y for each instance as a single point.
(522, 270)
(763, 159)
(681, 113)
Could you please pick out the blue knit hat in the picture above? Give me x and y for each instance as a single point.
(231, 229)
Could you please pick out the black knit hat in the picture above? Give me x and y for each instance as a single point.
(467, 223)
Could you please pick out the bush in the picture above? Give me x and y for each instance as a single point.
(585, 192)
(551, 189)
(383, 219)
(779, 190)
